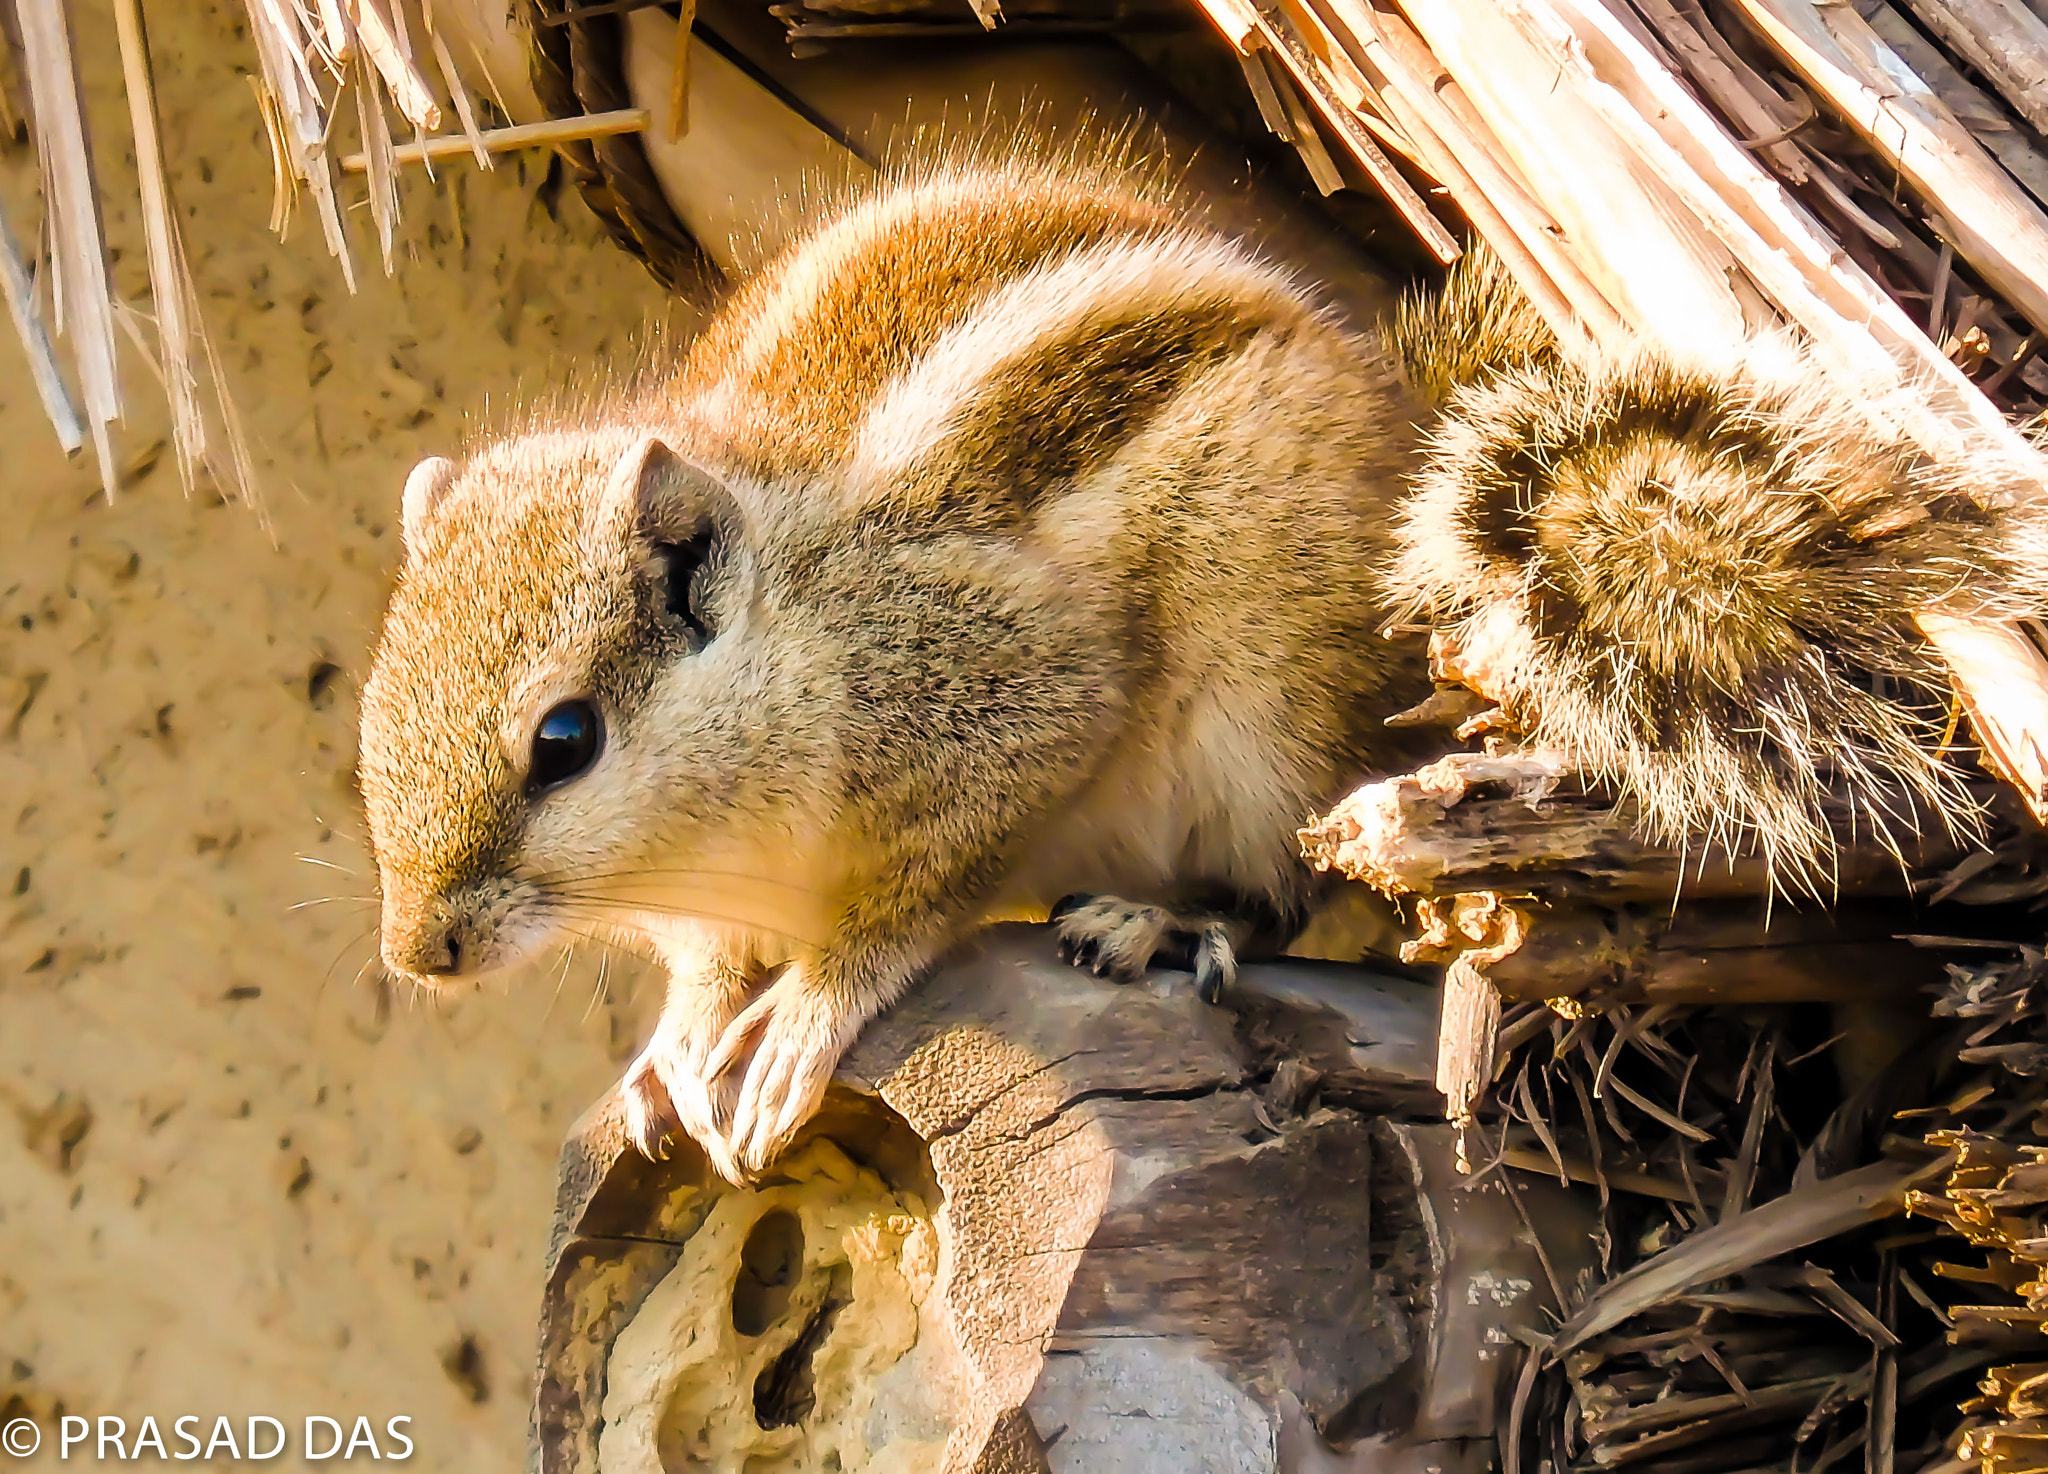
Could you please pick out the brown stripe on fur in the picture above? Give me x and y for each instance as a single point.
(883, 305)
(1070, 404)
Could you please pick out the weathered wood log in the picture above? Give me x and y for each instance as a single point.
(1712, 954)
(1522, 823)
(1043, 1212)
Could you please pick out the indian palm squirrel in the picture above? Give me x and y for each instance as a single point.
(1009, 540)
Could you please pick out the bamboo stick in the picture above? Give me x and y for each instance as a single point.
(83, 293)
(1991, 221)
(504, 140)
(18, 287)
(170, 282)
(1577, 1169)
(2003, 40)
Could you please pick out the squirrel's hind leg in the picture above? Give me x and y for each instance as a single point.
(1115, 938)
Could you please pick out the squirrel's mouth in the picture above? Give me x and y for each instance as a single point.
(456, 940)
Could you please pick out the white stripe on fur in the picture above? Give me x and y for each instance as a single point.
(805, 276)
(1067, 300)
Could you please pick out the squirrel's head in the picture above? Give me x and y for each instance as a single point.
(559, 691)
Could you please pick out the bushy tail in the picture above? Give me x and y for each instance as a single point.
(1475, 325)
(1700, 585)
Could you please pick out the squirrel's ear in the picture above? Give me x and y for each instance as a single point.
(424, 488)
(652, 484)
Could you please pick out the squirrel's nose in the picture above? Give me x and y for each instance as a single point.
(431, 952)
(442, 959)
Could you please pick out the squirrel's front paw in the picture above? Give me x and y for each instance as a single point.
(665, 1091)
(783, 1047)
(1119, 939)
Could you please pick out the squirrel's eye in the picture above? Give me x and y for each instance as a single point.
(565, 744)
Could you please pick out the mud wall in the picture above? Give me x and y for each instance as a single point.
(238, 1172)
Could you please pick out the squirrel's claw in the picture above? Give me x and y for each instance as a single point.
(665, 1093)
(790, 1039)
(1215, 962)
(1119, 939)
(650, 1113)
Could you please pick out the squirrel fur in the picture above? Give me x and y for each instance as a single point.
(1028, 527)
(1008, 539)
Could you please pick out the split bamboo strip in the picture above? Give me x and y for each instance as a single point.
(2002, 680)
(1632, 89)
(285, 22)
(1258, 77)
(1725, 85)
(72, 212)
(679, 82)
(1663, 269)
(1853, 325)
(465, 111)
(1982, 212)
(1240, 24)
(376, 135)
(504, 140)
(1986, 121)
(170, 281)
(1288, 44)
(1301, 128)
(338, 34)
(385, 44)
(1788, 254)
(1477, 176)
(12, 118)
(299, 126)
(1615, 111)
(19, 288)
(1353, 88)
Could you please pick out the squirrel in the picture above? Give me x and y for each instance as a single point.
(1010, 545)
